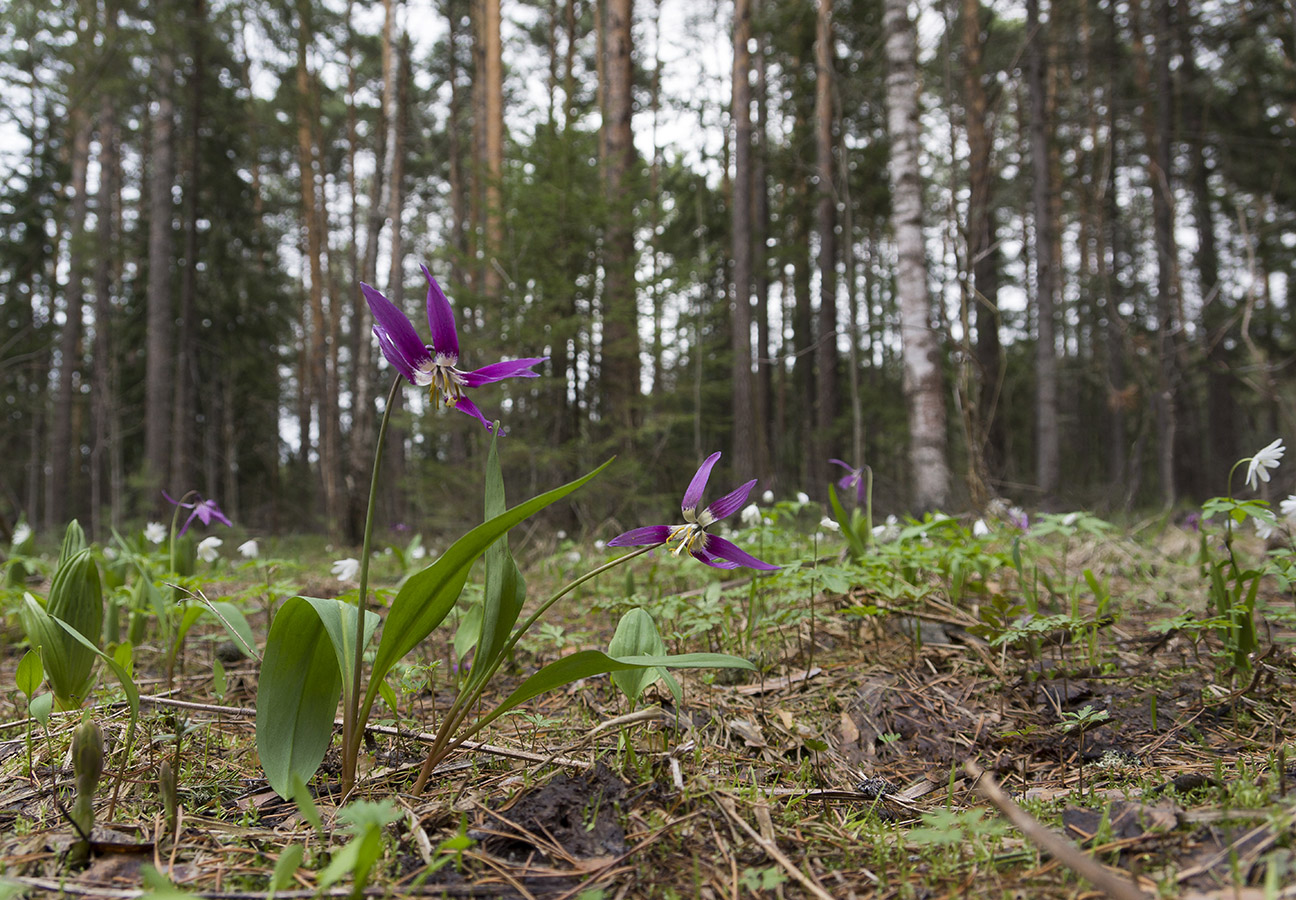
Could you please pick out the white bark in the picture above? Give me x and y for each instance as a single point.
(921, 343)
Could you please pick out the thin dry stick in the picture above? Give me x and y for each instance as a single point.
(1055, 845)
(771, 849)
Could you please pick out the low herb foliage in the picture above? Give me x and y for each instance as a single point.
(764, 697)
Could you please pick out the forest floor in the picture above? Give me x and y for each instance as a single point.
(1122, 722)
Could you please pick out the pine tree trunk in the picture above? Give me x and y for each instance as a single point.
(745, 425)
(1047, 439)
(104, 383)
(65, 443)
(620, 348)
(826, 223)
(760, 261)
(988, 427)
(921, 345)
(161, 321)
(494, 135)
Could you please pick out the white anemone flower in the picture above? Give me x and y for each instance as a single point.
(155, 532)
(249, 550)
(980, 528)
(346, 569)
(1288, 508)
(207, 549)
(767, 497)
(418, 552)
(802, 497)
(1264, 529)
(1259, 465)
(21, 534)
(750, 516)
(827, 523)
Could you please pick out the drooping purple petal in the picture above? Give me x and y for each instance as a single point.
(507, 368)
(710, 559)
(642, 537)
(206, 510)
(445, 338)
(693, 496)
(717, 546)
(730, 503)
(847, 466)
(174, 502)
(399, 341)
(468, 408)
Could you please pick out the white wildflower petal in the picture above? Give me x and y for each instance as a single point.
(346, 569)
(980, 528)
(1288, 508)
(1265, 459)
(418, 552)
(249, 549)
(155, 532)
(829, 524)
(1263, 529)
(802, 497)
(750, 516)
(207, 549)
(21, 534)
(767, 497)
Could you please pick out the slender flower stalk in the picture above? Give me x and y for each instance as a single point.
(442, 746)
(692, 537)
(351, 711)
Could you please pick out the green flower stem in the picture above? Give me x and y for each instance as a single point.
(465, 701)
(351, 713)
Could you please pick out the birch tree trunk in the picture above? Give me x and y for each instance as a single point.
(921, 345)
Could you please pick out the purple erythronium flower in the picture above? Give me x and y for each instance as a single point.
(203, 510)
(692, 536)
(853, 480)
(435, 365)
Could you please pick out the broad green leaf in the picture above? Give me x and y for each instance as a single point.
(301, 796)
(468, 634)
(219, 683)
(70, 689)
(74, 541)
(286, 867)
(297, 695)
(855, 545)
(338, 619)
(236, 624)
(588, 663)
(76, 597)
(505, 587)
(637, 635)
(30, 673)
(423, 601)
(389, 697)
(40, 707)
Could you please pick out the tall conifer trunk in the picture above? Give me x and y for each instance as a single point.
(160, 318)
(745, 426)
(826, 224)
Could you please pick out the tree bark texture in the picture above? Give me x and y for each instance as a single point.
(826, 225)
(923, 381)
(1047, 437)
(745, 424)
(161, 317)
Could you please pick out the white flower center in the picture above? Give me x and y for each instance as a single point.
(689, 536)
(444, 381)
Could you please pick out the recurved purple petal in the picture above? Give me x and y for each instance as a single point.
(710, 559)
(718, 546)
(206, 510)
(399, 341)
(693, 496)
(467, 407)
(730, 503)
(445, 338)
(642, 537)
(508, 368)
(845, 465)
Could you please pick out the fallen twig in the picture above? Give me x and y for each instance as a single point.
(1050, 842)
